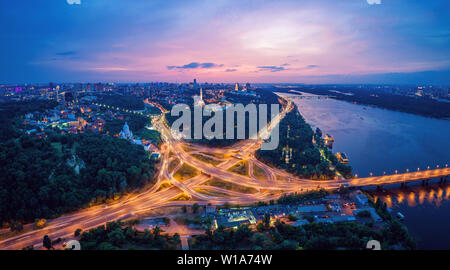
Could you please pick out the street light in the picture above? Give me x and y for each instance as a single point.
(418, 169)
(371, 174)
(407, 170)
(428, 167)
(396, 171)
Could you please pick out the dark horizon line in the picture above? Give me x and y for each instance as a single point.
(253, 83)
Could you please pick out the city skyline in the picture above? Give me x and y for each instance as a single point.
(357, 41)
(273, 126)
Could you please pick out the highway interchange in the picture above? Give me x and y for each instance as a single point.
(168, 190)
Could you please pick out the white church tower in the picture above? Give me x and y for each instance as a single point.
(198, 100)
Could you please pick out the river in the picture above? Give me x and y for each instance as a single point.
(381, 141)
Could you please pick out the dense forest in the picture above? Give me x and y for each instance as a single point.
(306, 160)
(10, 112)
(296, 198)
(264, 97)
(134, 121)
(123, 102)
(117, 236)
(44, 178)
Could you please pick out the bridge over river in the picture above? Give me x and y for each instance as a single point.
(403, 178)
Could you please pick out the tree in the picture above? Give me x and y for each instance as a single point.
(58, 189)
(47, 242)
(243, 232)
(176, 238)
(260, 227)
(345, 170)
(116, 237)
(195, 208)
(184, 208)
(30, 247)
(156, 232)
(319, 243)
(318, 132)
(266, 221)
(106, 246)
(16, 226)
(77, 233)
(259, 239)
(288, 245)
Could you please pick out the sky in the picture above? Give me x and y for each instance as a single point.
(258, 41)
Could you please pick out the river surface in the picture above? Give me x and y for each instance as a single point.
(381, 141)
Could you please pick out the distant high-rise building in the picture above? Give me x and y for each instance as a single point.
(57, 93)
(195, 83)
(236, 87)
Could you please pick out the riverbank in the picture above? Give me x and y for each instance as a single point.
(426, 107)
(381, 141)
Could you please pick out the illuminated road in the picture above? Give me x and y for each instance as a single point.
(275, 183)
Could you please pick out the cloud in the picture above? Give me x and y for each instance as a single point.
(230, 70)
(76, 2)
(374, 2)
(272, 68)
(308, 67)
(209, 65)
(195, 65)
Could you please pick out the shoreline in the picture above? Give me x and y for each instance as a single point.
(297, 92)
